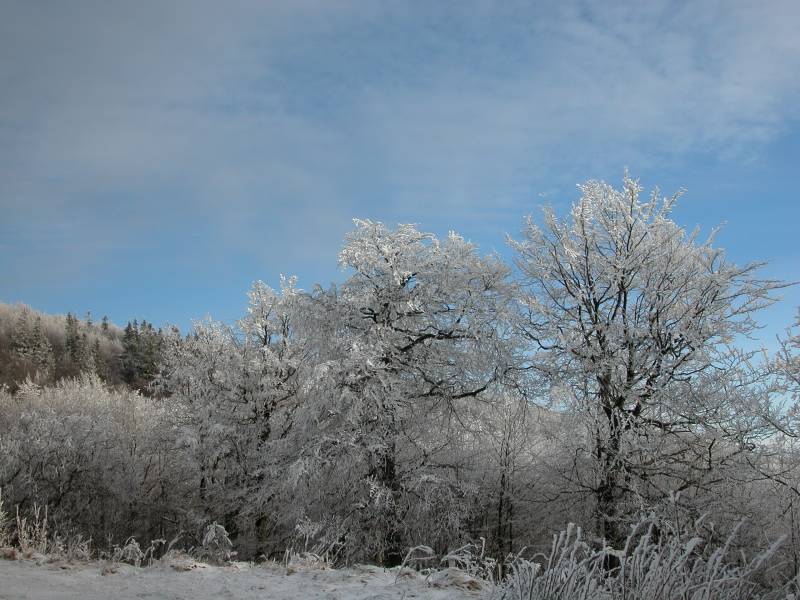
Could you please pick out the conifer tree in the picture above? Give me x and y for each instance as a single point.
(85, 359)
(130, 351)
(97, 360)
(41, 351)
(21, 341)
(71, 339)
(31, 347)
(141, 355)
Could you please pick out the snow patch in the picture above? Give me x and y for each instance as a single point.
(27, 580)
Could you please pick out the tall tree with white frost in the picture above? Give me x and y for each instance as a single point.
(788, 366)
(637, 319)
(415, 331)
(232, 383)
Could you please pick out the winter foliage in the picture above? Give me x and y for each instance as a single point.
(442, 401)
(638, 320)
(47, 348)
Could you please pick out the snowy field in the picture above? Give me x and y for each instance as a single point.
(26, 580)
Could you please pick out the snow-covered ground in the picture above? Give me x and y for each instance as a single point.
(25, 579)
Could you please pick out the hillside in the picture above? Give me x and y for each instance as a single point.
(48, 348)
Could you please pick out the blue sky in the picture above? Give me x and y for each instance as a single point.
(157, 157)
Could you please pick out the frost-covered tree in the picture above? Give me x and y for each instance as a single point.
(636, 322)
(142, 347)
(416, 332)
(21, 341)
(233, 385)
(72, 339)
(779, 463)
(29, 342)
(31, 348)
(395, 410)
(103, 460)
(41, 352)
(788, 364)
(202, 372)
(51, 347)
(273, 353)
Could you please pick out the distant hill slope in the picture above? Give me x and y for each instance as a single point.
(47, 348)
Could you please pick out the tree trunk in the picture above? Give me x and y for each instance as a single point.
(387, 475)
(608, 493)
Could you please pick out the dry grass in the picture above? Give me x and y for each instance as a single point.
(651, 566)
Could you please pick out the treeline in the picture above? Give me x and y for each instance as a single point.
(46, 349)
(438, 396)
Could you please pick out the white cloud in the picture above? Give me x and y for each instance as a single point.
(273, 123)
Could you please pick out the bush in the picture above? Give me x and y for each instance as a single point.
(5, 524)
(107, 463)
(651, 566)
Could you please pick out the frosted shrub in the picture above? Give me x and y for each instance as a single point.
(32, 531)
(647, 568)
(467, 566)
(105, 461)
(326, 539)
(5, 523)
(420, 558)
(71, 546)
(34, 535)
(130, 553)
(472, 559)
(216, 546)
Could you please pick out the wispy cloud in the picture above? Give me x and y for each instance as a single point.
(268, 125)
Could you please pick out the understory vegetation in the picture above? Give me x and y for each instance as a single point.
(438, 408)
